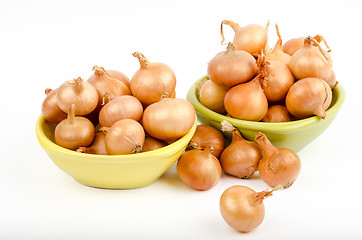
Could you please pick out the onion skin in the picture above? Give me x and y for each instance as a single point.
(152, 80)
(125, 136)
(308, 97)
(74, 132)
(50, 109)
(121, 107)
(98, 145)
(331, 80)
(212, 96)
(152, 144)
(277, 114)
(80, 93)
(231, 67)
(293, 45)
(169, 119)
(206, 136)
(279, 166)
(247, 101)
(199, 169)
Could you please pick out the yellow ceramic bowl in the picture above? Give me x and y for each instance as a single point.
(294, 135)
(111, 171)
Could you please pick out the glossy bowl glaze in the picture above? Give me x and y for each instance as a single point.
(295, 134)
(111, 171)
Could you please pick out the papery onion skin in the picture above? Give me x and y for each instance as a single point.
(74, 132)
(212, 96)
(332, 80)
(169, 119)
(152, 80)
(277, 114)
(98, 145)
(121, 107)
(308, 97)
(231, 67)
(206, 136)
(279, 166)
(199, 169)
(50, 109)
(247, 101)
(125, 136)
(151, 144)
(293, 45)
(80, 93)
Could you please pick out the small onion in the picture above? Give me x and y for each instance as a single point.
(242, 208)
(80, 93)
(276, 114)
(241, 157)
(277, 53)
(279, 166)
(294, 44)
(308, 97)
(331, 80)
(212, 96)
(125, 136)
(98, 145)
(231, 67)
(206, 136)
(199, 169)
(169, 119)
(247, 101)
(152, 80)
(152, 144)
(50, 109)
(74, 132)
(252, 38)
(121, 107)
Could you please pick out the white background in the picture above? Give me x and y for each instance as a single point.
(44, 43)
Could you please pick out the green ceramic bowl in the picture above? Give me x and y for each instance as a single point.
(295, 135)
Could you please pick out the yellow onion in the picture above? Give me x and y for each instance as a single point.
(242, 208)
(50, 109)
(247, 101)
(212, 96)
(276, 114)
(241, 157)
(231, 67)
(121, 107)
(125, 136)
(80, 93)
(279, 166)
(98, 145)
(206, 136)
(252, 38)
(294, 44)
(152, 80)
(332, 80)
(169, 119)
(311, 61)
(308, 97)
(74, 132)
(199, 169)
(277, 54)
(152, 144)
(115, 74)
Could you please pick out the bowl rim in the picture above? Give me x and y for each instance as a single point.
(168, 150)
(263, 126)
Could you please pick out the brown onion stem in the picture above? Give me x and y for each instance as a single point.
(326, 56)
(260, 196)
(48, 90)
(71, 114)
(268, 148)
(235, 26)
(320, 38)
(142, 59)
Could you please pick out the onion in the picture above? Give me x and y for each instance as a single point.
(74, 132)
(105, 83)
(152, 80)
(279, 166)
(308, 97)
(331, 80)
(80, 93)
(50, 109)
(294, 44)
(206, 136)
(247, 101)
(276, 78)
(242, 208)
(276, 114)
(121, 107)
(98, 145)
(125, 136)
(199, 169)
(152, 144)
(252, 38)
(241, 157)
(310, 61)
(277, 53)
(231, 67)
(169, 119)
(212, 96)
